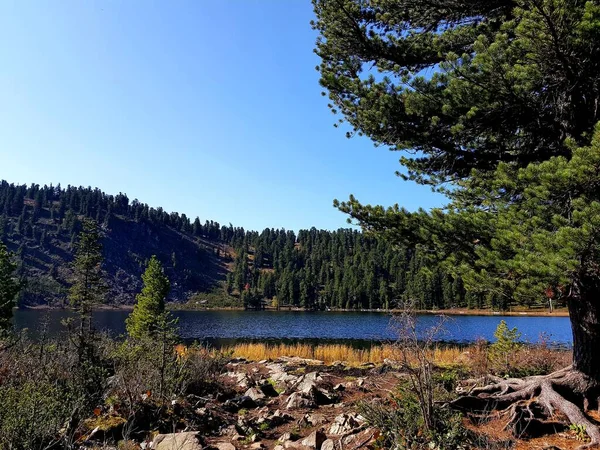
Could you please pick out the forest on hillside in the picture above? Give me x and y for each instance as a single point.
(312, 269)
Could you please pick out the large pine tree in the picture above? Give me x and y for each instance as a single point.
(498, 101)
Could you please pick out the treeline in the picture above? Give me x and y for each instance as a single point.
(313, 269)
(343, 269)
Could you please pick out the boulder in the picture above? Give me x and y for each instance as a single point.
(278, 418)
(329, 444)
(286, 437)
(178, 441)
(343, 423)
(320, 397)
(268, 390)
(313, 419)
(307, 382)
(255, 394)
(297, 401)
(240, 378)
(360, 440)
(314, 440)
(237, 403)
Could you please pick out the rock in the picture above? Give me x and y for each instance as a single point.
(278, 418)
(318, 396)
(339, 387)
(329, 444)
(297, 361)
(360, 440)
(263, 361)
(268, 390)
(286, 437)
(237, 403)
(314, 419)
(280, 376)
(257, 445)
(307, 382)
(178, 441)
(231, 430)
(223, 446)
(279, 447)
(314, 440)
(244, 427)
(255, 394)
(240, 378)
(343, 423)
(297, 401)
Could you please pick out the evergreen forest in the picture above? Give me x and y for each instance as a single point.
(310, 269)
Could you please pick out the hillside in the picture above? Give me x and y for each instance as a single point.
(313, 269)
(42, 237)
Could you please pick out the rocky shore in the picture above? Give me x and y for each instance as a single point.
(290, 403)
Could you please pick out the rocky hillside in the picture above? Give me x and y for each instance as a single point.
(43, 233)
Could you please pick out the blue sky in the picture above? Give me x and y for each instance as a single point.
(212, 109)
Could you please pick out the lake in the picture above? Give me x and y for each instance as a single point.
(297, 325)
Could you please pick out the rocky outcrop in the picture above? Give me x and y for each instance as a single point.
(280, 405)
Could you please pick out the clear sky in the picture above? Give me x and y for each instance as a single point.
(209, 108)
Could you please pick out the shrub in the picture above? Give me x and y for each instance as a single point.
(502, 353)
(402, 425)
(46, 391)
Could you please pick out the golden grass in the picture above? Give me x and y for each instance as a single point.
(330, 353)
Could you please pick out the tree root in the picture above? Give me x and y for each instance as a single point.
(531, 403)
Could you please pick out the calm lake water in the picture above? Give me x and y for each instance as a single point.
(293, 325)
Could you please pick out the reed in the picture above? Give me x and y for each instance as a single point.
(330, 353)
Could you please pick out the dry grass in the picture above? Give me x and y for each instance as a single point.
(473, 357)
(330, 353)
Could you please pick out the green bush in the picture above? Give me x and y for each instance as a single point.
(46, 391)
(503, 353)
(401, 422)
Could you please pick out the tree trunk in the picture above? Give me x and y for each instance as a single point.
(584, 312)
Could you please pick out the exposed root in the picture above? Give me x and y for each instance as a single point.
(531, 403)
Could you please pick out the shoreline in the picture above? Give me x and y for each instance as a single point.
(444, 312)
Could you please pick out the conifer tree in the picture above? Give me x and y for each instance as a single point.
(88, 286)
(498, 99)
(149, 311)
(9, 287)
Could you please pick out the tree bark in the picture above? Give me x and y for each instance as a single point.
(584, 312)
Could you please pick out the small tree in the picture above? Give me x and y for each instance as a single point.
(503, 350)
(149, 310)
(88, 287)
(9, 287)
(154, 329)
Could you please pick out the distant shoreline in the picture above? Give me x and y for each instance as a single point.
(446, 312)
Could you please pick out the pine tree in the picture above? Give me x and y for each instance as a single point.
(149, 310)
(507, 115)
(88, 286)
(9, 287)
